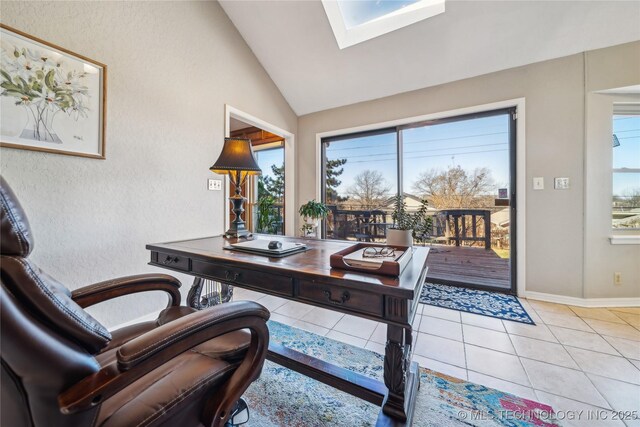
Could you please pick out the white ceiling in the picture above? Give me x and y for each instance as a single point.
(295, 44)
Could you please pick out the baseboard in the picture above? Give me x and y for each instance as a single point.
(147, 317)
(584, 302)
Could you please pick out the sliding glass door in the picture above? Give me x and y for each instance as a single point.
(463, 166)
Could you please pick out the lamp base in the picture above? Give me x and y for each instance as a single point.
(237, 228)
(238, 234)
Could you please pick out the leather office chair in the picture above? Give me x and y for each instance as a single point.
(61, 367)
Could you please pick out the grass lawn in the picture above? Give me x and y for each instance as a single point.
(502, 253)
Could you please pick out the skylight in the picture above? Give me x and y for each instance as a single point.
(355, 21)
(356, 13)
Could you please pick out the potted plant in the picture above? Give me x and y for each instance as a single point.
(311, 212)
(266, 217)
(407, 225)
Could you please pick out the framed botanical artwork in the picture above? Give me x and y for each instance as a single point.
(51, 99)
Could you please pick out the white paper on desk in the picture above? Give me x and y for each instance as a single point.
(358, 259)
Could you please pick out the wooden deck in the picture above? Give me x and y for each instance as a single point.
(468, 266)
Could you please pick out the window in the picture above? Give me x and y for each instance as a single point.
(463, 166)
(626, 167)
(356, 13)
(269, 204)
(360, 178)
(458, 163)
(354, 22)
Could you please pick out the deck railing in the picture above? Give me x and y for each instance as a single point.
(478, 221)
(451, 225)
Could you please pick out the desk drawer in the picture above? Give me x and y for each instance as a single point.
(339, 296)
(172, 261)
(270, 283)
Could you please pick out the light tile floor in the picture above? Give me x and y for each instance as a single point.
(574, 358)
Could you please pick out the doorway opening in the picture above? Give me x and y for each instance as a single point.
(265, 208)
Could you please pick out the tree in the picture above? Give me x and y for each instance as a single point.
(369, 190)
(455, 187)
(274, 186)
(333, 170)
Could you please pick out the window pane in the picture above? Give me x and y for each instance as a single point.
(626, 162)
(355, 13)
(360, 182)
(626, 200)
(461, 168)
(269, 207)
(474, 151)
(626, 144)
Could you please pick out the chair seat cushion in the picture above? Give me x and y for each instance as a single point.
(155, 398)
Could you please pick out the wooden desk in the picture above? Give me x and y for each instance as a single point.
(306, 277)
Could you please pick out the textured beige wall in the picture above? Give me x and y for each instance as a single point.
(555, 146)
(171, 68)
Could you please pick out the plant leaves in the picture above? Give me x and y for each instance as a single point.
(49, 80)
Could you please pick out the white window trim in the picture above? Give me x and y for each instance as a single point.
(625, 239)
(521, 165)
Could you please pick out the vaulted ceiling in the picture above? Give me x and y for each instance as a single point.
(294, 42)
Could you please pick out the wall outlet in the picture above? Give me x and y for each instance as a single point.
(617, 278)
(561, 183)
(214, 184)
(538, 183)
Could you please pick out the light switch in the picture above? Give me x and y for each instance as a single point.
(538, 183)
(214, 184)
(561, 183)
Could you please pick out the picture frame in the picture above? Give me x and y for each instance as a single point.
(51, 99)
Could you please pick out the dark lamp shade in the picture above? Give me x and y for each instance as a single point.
(237, 155)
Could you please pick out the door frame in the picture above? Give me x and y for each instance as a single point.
(519, 163)
(289, 164)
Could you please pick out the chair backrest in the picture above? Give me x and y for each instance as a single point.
(48, 341)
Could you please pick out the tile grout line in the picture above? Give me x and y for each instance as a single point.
(587, 376)
(518, 356)
(464, 348)
(532, 308)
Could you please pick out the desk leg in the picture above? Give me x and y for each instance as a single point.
(401, 378)
(207, 293)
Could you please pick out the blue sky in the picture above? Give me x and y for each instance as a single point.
(266, 158)
(627, 154)
(356, 12)
(471, 144)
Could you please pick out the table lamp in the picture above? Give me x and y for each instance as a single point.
(238, 161)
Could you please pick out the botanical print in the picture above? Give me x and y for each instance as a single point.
(50, 99)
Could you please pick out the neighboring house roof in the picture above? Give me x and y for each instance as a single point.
(501, 218)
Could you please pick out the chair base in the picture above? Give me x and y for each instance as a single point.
(239, 415)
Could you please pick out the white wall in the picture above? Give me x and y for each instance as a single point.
(556, 125)
(171, 68)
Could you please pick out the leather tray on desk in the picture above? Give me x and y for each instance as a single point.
(387, 268)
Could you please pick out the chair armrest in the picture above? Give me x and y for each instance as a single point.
(175, 337)
(147, 352)
(103, 291)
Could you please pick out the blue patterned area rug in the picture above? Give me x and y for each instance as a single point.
(492, 304)
(281, 397)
